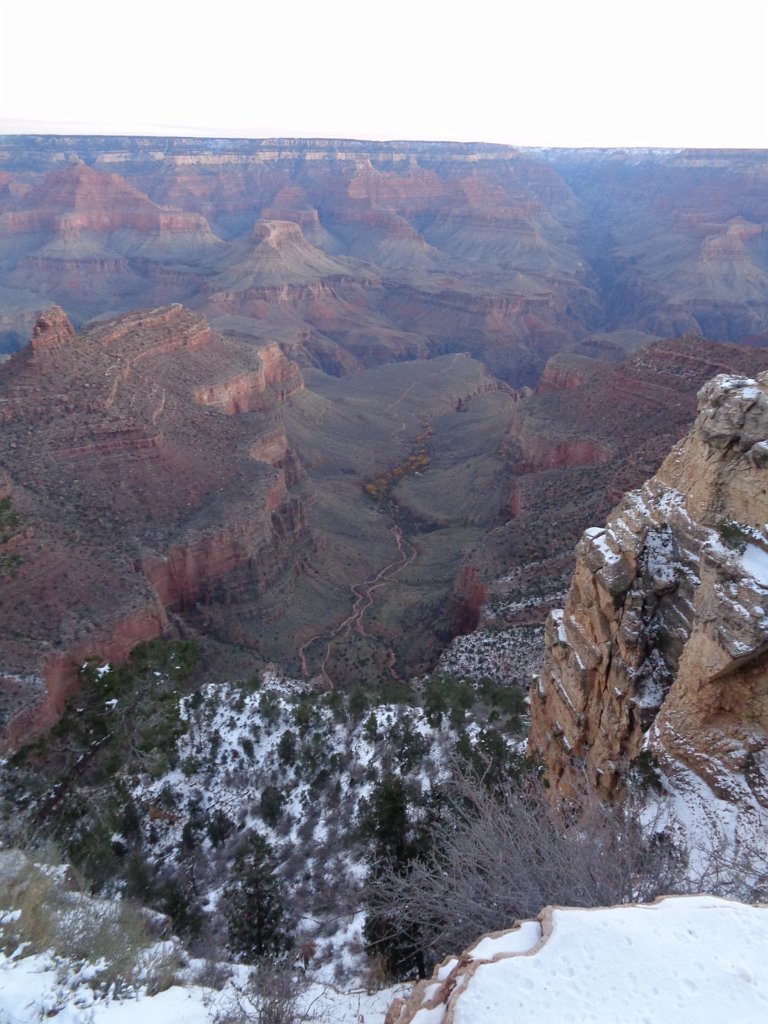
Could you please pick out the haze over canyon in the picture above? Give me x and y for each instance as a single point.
(327, 404)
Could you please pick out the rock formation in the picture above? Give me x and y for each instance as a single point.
(663, 642)
(147, 464)
(349, 257)
(352, 253)
(326, 246)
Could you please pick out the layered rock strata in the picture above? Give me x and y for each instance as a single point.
(147, 464)
(663, 641)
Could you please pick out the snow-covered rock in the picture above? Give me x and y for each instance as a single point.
(692, 960)
(662, 647)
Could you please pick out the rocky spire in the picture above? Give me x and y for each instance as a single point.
(52, 328)
(663, 641)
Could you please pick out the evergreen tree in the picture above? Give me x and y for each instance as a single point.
(256, 915)
(9, 520)
(394, 844)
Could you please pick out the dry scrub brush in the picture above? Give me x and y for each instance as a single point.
(40, 912)
(496, 857)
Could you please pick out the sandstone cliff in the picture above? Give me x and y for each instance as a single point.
(386, 251)
(663, 642)
(146, 460)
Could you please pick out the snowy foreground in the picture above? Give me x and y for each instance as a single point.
(691, 960)
(35, 989)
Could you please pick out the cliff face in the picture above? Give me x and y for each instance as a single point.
(147, 462)
(663, 641)
(323, 245)
(359, 253)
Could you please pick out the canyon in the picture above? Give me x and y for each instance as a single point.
(327, 404)
(144, 464)
(356, 253)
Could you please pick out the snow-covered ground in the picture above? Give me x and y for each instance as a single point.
(500, 654)
(725, 840)
(691, 960)
(39, 988)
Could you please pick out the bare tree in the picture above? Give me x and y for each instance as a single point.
(500, 856)
(271, 994)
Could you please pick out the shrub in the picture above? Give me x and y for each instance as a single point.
(271, 994)
(644, 772)
(51, 916)
(257, 921)
(358, 704)
(220, 826)
(286, 748)
(271, 805)
(269, 709)
(733, 535)
(498, 856)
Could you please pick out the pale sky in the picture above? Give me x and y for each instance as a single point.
(665, 73)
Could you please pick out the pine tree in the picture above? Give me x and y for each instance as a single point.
(393, 845)
(256, 915)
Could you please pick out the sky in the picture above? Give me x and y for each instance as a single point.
(661, 73)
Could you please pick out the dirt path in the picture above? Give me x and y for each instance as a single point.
(420, 383)
(363, 594)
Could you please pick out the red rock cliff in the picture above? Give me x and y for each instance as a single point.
(147, 462)
(663, 641)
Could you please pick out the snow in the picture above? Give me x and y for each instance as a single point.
(318, 868)
(659, 552)
(185, 1005)
(520, 940)
(36, 988)
(692, 960)
(732, 382)
(558, 622)
(446, 969)
(755, 562)
(433, 1015)
(601, 542)
(722, 835)
(499, 654)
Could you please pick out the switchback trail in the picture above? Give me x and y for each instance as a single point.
(363, 599)
(363, 593)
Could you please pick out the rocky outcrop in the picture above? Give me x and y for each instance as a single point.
(274, 254)
(466, 602)
(51, 328)
(539, 453)
(253, 390)
(91, 241)
(148, 465)
(663, 642)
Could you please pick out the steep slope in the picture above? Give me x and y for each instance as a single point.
(93, 242)
(663, 642)
(149, 470)
(592, 430)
